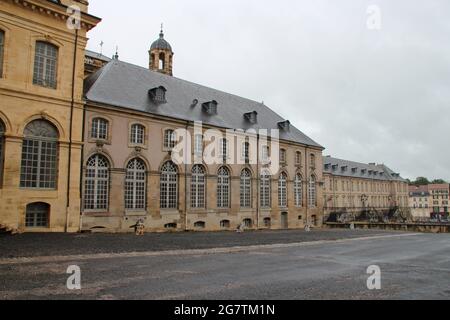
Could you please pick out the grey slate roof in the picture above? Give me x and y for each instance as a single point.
(96, 55)
(124, 85)
(345, 168)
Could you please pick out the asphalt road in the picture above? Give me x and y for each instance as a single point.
(413, 266)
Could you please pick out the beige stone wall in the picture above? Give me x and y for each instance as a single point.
(118, 150)
(347, 193)
(21, 102)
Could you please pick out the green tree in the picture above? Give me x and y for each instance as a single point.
(421, 181)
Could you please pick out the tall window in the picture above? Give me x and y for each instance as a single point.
(283, 156)
(99, 129)
(135, 185)
(39, 156)
(96, 185)
(137, 135)
(2, 147)
(169, 186)
(45, 64)
(265, 153)
(312, 160)
(2, 49)
(169, 139)
(246, 152)
(298, 191)
(37, 215)
(265, 190)
(312, 196)
(246, 189)
(223, 188)
(298, 158)
(198, 187)
(282, 190)
(223, 148)
(198, 145)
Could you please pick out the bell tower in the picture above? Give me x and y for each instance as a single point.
(161, 55)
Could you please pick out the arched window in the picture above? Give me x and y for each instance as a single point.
(223, 188)
(137, 134)
(45, 64)
(265, 190)
(169, 139)
(2, 49)
(298, 191)
(2, 151)
(37, 215)
(267, 222)
(169, 186)
(312, 196)
(246, 189)
(96, 185)
(162, 61)
(282, 190)
(135, 185)
(198, 184)
(39, 156)
(100, 128)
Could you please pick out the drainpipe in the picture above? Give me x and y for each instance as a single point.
(257, 183)
(72, 106)
(307, 187)
(185, 179)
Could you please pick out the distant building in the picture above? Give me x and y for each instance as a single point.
(420, 202)
(94, 61)
(352, 187)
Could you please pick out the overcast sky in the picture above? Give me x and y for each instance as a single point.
(377, 93)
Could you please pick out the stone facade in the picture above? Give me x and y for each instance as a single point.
(429, 201)
(24, 24)
(354, 188)
(119, 151)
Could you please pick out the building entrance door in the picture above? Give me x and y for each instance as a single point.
(284, 220)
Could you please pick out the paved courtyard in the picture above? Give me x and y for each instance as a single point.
(323, 264)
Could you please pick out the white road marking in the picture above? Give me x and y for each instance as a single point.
(188, 252)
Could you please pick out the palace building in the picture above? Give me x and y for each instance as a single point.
(41, 113)
(352, 187)
(90, 143)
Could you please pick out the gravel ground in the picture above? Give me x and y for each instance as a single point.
(51, 244)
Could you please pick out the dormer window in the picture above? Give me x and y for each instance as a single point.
(334, 167)
(344, 168)
(210, 107)
(252, 117)
(284, 125)
(363, 171)
(327, 166)
(354, 170)
(158, 95)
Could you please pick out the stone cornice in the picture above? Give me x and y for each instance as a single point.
(57, 11)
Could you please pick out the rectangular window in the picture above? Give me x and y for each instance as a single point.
(45, 64)
(198, 145)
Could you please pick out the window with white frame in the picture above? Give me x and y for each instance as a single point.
(312, 196)
(223, 188)
(198, 189)
(39, 165)
(37, 215)
(282, 190)
(246, 189)
(137, 134)
(169, 139)
(96, 183)
(298, 191)
(265, 190)
(135, 185)
(45, 64)
(169, 186)
(223, 148)
(245, 152)
(2, 49)
(198, 145)
(2, 151)
(99, 129)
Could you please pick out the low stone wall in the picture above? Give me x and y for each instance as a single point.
(415, 227)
